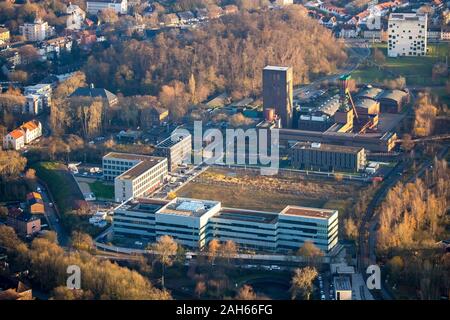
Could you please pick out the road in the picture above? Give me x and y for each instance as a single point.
(52, 215)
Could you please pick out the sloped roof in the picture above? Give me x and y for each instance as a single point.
(94, 93)
(16, 134)
(30, 125)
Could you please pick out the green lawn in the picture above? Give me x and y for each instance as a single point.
(102, 190)
(416, 70)
(50, 174)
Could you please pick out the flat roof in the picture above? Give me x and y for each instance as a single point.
(172, 140)
(127, 156)
(342, 284)
(145, 205)
(308, 212)
(407, 16)
(276, 68)
(326, 147)
(247, 215)
(188, 207)
(141, 168)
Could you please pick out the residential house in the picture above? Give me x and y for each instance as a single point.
(186, 17)
(340, 12)
(51, 49)
(75, 17)
(201, 14)
(154, 116)
(32, 130)
(171, 19)
(39, 30)
(14, 140)
(24, 223)
(38, 97)
(107, 96)
(35, 203)
(348, 31)
(445, 33)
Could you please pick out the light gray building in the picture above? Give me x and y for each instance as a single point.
(133, 175)
(176, 149)
(193, 223)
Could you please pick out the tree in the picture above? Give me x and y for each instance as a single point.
(213, 250)
(81, 241)
(246, 293)
(378, 56)
(310, 252)
(229, 249)
(108, 15)
(350, 229)
(200, 288)
(303, 281)
(165, 248)
(407, 143)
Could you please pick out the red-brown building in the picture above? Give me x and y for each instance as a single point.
(24, 223)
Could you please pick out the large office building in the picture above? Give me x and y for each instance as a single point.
(327, 157)
(407, 34)
(193, 223)
(134, 175)
(176, 149)
(278, 92)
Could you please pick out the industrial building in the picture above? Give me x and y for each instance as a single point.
(327, 157)
(278, 92)
(176, 148)
(193, 223)
(134, 175)
(407, 34)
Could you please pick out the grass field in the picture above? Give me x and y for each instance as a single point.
(252, 191)
(416, 70)
(101, 190)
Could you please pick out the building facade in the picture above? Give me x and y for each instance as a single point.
(193, 223)
(278, 92)
(75, 17)
(37, 31)
(407, 34)
(38, 98)
(176, 149)
(133, 175)
(119, 6)
(327, 157)
(23, 135)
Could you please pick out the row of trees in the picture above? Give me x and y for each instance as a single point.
(413, 215)
(425, 115)
(47, 264)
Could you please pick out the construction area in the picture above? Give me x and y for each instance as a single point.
(271, 193)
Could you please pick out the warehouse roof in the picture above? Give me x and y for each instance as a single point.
(396, 95)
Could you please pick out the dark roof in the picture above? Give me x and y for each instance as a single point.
(19, 214)
(94, 93)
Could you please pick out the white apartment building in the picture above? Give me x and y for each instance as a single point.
(134, 175)
(15, 140)
(36, 31)
(407, 34)
(193, 223)
(23, 135)
(38, 98)
(119, 6)
(75, 17)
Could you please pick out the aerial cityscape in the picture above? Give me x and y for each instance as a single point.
(201, 150)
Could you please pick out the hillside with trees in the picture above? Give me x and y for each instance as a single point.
(184, 67)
